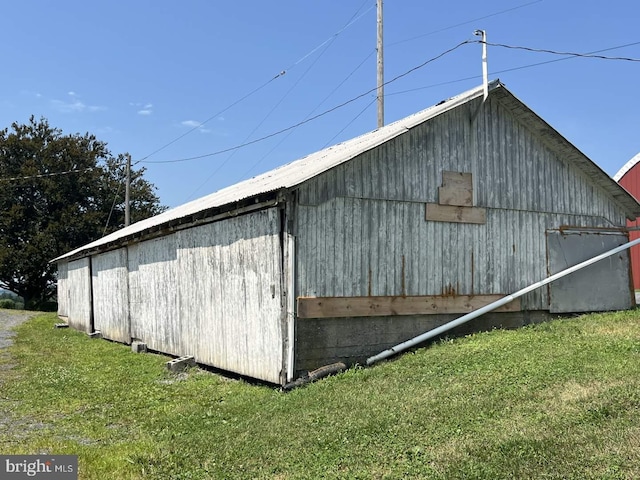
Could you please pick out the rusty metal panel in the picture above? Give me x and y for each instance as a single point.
(602, 286)
(62, 286)
(110, 295)
(79, 281)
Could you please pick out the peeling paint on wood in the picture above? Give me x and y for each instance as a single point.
(207, 292)
(79, 282)
(111, 295)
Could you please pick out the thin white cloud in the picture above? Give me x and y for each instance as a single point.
(31, 93)
(143, 108)
(195, 124)
(74, 105)
(191, 123)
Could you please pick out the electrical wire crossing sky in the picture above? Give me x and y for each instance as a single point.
(207, 94)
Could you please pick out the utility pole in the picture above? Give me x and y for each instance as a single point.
(127, 193)
(380, 68)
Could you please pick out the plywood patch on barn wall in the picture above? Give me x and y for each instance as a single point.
(455, 201)
(449, 213)
(456, 189)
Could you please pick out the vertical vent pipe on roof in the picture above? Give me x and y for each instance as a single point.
(485, 68)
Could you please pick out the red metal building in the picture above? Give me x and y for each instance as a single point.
(629, 177)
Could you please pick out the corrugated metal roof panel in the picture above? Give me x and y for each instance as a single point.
(288, 175)
(295, 173)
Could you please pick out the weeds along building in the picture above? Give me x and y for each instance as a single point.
(629, 177)
(355, 248)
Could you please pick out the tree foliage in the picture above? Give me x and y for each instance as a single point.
(58, 192)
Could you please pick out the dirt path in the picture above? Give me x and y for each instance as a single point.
(9, 319)
(9, 424)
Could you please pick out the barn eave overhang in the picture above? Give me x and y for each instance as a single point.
(569, 152)
(202, 217)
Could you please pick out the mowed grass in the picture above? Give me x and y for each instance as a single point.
(557, 400)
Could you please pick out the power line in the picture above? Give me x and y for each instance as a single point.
(113, 207)
(554, 52)
(464, 23)
(44, 175)
(282, 73)
(219, 152)
(210, 118)
(327, 43)
(310, 113)
(515, 47)
(522, 67)
(351, 21)
(350, 123)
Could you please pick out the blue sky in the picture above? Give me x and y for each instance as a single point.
(141, 74)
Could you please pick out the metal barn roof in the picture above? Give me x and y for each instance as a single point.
(626, 167)
(297, 172)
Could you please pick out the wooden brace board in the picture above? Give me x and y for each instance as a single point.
(450, 213)
(330, 307)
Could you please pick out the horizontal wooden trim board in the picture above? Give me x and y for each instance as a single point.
(330, 307)
(450, 213)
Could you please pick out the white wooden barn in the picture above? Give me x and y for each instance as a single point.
(360, 246)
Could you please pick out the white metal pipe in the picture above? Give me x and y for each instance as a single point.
(492, 306)
(485, 67)
(380, 69)
(291, 304)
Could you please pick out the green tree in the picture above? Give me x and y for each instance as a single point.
(56, 194)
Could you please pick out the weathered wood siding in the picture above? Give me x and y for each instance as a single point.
(110, 295)
(79, 281)
(215, 292)
(358, 247)
(361, 227)
(155, 317)
(63, 289)
(512, 169)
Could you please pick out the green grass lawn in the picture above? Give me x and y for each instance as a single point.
(556, 400)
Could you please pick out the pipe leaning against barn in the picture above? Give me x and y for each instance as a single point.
(492, 306)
